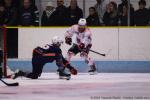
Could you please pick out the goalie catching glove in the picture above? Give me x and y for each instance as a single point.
(68, 40)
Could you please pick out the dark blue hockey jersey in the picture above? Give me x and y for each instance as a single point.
(49, 52)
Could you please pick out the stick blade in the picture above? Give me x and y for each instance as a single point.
(103, 55)
(13, 84)
(10, 84)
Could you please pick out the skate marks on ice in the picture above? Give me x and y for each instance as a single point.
(80, 87)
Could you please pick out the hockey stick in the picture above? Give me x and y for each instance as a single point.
(10, 84)
(98, 53)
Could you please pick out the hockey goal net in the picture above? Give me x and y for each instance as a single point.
(6, 72)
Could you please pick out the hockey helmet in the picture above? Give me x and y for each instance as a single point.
(57, 40)
(82, 22)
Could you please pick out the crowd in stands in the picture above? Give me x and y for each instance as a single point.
(25, 13)
(18, 13)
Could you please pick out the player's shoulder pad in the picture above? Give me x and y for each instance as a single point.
(88, 32)
(58, 50)
(74, 26)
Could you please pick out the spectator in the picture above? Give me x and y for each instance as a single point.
(74, 13)
(142, 14)
(120, 6)
(34, 7)
(92, 19)
(17, 4)
(110, 17)
(149, 15)
(123, 13)
(124, 3)
(48, 15)
(60, 18)
(2, 14)
(10, 13)
(28, 14)
(123, 17)
(100, 7)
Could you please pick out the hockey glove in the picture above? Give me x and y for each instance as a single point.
(81, 46)
(68, 41)
(85, 50)
(73, 71)
(89, 46)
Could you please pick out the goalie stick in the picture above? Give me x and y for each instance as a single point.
(10, 84)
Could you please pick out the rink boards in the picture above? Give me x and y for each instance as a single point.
(102, 66)
(127, 49)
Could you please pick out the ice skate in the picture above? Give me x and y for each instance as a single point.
(17, 73)
(92, 71)
(57, 71)
(63, 75)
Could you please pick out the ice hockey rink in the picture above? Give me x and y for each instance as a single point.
(102, 86)
(124, 74)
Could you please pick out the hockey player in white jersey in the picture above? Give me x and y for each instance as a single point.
(82, 43)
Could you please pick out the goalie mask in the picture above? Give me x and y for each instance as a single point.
(57, 41)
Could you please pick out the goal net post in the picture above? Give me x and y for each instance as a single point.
(4, 69)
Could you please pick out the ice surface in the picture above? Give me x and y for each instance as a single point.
(103, 86)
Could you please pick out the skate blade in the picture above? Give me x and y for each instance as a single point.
(92, 73)
(63, 77)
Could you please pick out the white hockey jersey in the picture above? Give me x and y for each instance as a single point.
(84, 37)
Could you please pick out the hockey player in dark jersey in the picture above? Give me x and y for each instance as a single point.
(48, 54)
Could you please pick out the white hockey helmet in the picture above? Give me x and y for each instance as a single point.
(57, 40)
(82, 22)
